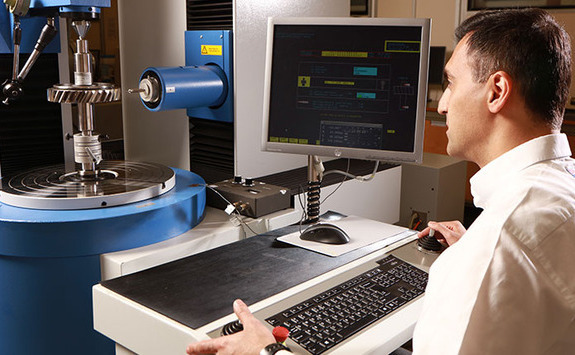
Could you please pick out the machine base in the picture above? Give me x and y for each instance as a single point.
(49, 261)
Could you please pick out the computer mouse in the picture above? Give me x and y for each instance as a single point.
(325, 233)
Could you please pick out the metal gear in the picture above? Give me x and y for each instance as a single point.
(83, 94)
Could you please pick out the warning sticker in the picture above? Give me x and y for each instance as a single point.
(211, 50)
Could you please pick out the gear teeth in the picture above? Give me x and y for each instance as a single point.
(77, 94)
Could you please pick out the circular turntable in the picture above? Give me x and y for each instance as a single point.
(117, 183)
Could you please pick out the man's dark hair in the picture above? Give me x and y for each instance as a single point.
(530, 46)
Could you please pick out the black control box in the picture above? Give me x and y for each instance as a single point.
(251, 198)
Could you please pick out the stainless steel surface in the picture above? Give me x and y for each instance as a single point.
(16, 62)
(150, 89)
(81, 27)
(16, 59)
(85, 93)
(28, 65)
(117, 183)
(314, 171)
(50, 21)
(85, 118)
(82, 64)
(82, 56)
(87, 149)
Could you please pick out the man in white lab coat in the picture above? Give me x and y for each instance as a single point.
(506, 285)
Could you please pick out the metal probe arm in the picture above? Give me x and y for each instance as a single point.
(12, 88)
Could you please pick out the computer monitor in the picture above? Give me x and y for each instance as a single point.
(346, 87)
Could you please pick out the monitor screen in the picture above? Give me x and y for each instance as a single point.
(346, 87)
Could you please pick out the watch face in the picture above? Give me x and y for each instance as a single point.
(274, 348)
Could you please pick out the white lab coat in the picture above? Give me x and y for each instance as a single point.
(508, 285)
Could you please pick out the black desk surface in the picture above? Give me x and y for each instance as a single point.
(201, 288)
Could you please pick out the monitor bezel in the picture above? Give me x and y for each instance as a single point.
(415, 156)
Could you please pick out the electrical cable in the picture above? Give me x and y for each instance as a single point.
(341, 183)
(236, 211)
(346, 175)
(355, 177)
(416, 225)
(303, 209)
(351, 176)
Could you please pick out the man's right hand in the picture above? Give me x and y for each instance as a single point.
(251, 340)
(448, 232)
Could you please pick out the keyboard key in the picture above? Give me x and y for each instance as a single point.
(273, 322)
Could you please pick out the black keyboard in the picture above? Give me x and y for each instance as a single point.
(323, 321)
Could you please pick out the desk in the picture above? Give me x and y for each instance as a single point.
(163, 309)
(216, 229)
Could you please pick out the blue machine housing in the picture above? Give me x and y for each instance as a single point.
(31, 28)
(49, 261)
(70, 5)
(195, 55)
(32, 25)
(190, 86)
(204, 87)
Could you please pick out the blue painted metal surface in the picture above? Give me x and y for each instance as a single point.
(5, 31)
(35, 4)
(49, 261)
(31, 28)
(184, 87)
(46, 306)
(205, 85)
(196, 56)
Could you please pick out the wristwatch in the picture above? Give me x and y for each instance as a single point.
(274, 348)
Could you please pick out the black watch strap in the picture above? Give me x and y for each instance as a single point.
(273, 348)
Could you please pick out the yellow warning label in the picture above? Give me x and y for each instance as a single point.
(211, 50)
(303, 81)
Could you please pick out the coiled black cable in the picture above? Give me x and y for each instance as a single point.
(313, 192)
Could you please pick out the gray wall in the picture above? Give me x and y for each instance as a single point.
(152, 34)
(250, 26)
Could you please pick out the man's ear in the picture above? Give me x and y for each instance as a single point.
(500, 86)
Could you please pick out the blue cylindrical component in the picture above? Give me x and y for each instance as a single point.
(170, 88)
(49, 261)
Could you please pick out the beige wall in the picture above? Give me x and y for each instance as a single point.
(567, 19)
(444, 15)
(394, 8)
